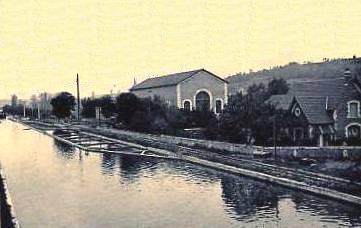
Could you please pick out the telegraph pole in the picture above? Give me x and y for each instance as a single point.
(39, 111)
(78, 95)
(274, 137)
(24, 110)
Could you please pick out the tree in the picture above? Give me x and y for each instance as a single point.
(34, 104)
(107, 105)
(44, 104)
(277, 86)
(126, 106)
(63, 104)
(248, 116)
(14, 100)
(88, 110)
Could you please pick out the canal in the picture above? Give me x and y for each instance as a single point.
(54, 185)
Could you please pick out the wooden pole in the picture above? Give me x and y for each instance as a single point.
(78, 95)
(38, 111)
(274, 138)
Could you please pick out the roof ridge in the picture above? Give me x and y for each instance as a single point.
(173, 78)
(165, 75)
(184, 72)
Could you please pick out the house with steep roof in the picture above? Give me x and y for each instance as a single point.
(191, 90)
(327, 109)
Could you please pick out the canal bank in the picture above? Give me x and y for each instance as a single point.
(315, 183)
(7, 212)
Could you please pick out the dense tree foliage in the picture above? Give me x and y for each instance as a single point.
(277, 86)
(88, 107)
(17, 110)
(248, 118)
(63, 104)
(126, 106)
(106, 104)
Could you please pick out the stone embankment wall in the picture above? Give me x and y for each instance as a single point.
(331, 152)
(180, 141)
(337, 153)
(7, 214)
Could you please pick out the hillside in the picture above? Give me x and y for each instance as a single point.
(295, 72)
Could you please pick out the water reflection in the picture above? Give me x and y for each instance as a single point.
(248, 201)
(131, 168)
(328, 210)
(260, 203)
(247, 197)
(66, 151)
(108, 163)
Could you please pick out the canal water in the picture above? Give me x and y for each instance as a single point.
(54, 185)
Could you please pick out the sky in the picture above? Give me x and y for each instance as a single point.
(45, 43)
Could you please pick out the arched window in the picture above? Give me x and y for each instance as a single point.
(353, 109)
(218, 106)
(187, 105)
(353, 130)
(203, 101)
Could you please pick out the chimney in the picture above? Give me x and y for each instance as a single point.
(347, 76)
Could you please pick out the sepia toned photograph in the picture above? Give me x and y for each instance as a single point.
(180, 113)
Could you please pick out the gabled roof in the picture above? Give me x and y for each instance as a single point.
(314, 109)
(334, 89)
(282, 101)
(169, 80)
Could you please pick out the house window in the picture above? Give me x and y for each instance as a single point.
(187, 105)
(353, 109)
(218, 106)
(297, 111)
(353, 131)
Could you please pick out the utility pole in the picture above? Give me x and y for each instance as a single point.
(274, 137)
(38, 111)
(78, 95)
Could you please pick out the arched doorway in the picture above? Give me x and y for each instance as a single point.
(203, 101)
(353, 131)
(187, 105)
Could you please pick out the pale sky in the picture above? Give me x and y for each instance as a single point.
(44, 43)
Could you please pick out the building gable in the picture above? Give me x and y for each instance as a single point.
(204, 75)
(314, 109)
(297, 112)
